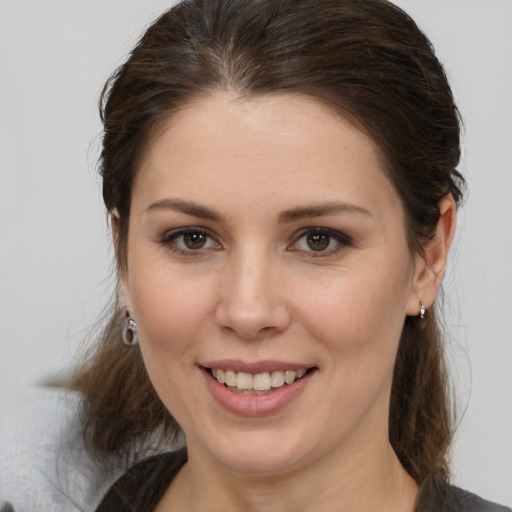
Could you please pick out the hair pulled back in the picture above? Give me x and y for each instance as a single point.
(369, 62)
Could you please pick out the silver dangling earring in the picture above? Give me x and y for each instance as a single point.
(422, 310)
(129, 332)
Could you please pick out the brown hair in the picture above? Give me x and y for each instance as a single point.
(365, 59)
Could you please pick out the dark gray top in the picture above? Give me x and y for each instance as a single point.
(141, 488)
(434, 497)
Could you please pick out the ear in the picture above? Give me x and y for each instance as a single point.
(431, 265)
(123, 273)
(114, 224)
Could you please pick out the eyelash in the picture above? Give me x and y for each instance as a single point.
(342, 240)
(169, 241)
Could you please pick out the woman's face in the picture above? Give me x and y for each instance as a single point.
(265, 241)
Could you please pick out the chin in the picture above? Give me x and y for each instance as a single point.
(260, 453)
(257, 462)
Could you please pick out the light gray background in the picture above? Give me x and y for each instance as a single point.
(55, 258)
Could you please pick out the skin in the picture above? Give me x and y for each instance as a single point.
(257, 290)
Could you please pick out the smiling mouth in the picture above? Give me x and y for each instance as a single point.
(259, 383)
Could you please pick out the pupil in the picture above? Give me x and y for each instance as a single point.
(318, 241)
(194, 240)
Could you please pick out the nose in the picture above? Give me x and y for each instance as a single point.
(253, 302)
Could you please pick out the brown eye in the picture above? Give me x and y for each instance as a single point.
(194, 240)
(189, 241)
(318, 241)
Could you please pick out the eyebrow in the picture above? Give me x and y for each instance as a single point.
(285, 217)
(187, 207)
(319, 210)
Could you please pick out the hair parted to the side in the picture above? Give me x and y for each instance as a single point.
(369, 62)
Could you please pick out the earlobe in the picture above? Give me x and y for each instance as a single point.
(431, 265)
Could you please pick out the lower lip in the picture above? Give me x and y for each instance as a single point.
(255, 405)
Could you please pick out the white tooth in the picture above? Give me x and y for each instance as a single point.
(214, 372)
(221, 376)
(289, 376)
(277, 379)
(300, 373)
(261, 382)
(230, 378)
(244, 380)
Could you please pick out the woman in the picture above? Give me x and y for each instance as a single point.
(281, 178)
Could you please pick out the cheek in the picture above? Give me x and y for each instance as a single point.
(358, 321)
(358, 312)
(169, 309)
(172, 314)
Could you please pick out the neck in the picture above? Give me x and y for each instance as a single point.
(371, 479)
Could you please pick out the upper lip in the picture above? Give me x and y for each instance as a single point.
(255, 367)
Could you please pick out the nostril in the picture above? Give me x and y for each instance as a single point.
(250, 331)
(251, 315)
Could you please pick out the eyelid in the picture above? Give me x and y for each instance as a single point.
(173, 233)
(169, 236)
(343, 240)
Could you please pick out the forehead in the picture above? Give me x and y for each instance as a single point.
(286, 147)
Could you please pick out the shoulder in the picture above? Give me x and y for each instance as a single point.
(434, 496)
(469, 502)
(144, 484)
(44, 464)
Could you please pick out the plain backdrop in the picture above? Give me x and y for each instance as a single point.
(55, 256)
